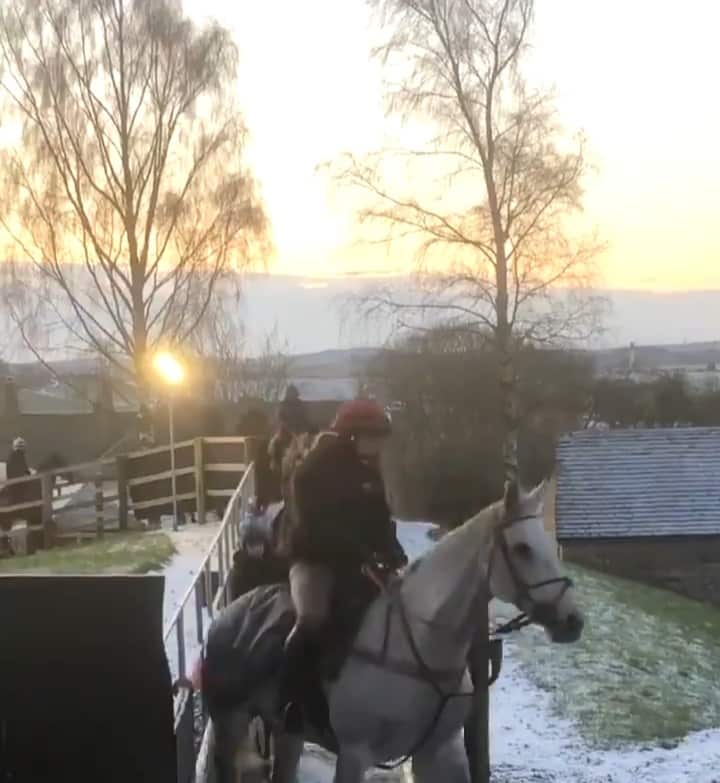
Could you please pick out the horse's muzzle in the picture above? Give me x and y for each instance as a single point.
(563, 630)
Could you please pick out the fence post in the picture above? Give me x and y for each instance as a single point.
(121, 468)
(477, 728)
(99, 517)
(199, 463)
(47, 480)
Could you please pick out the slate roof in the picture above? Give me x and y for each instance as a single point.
(638, 483)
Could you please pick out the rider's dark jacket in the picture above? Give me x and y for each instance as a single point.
(338, 514)
(16, 465)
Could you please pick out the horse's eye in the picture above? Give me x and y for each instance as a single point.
(523, 551)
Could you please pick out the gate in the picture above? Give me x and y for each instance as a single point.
(85, 689)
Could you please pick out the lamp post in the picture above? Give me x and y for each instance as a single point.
(173, 374)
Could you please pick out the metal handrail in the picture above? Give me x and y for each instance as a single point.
(206, 602)
(221, 548)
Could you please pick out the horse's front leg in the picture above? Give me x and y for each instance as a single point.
(447, 762)
(232, 752)
(353, 761)
(288, 750)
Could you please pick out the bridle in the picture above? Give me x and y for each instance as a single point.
(542, 613)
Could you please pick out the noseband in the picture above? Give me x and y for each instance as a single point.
(538, 612)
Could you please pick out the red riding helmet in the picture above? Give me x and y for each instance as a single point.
(362, 417)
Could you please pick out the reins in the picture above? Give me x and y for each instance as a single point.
(428, 676)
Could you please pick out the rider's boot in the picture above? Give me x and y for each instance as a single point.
(297, 676)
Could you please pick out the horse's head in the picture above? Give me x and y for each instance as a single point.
(524, 567)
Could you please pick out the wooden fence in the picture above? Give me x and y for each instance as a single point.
(207, 472)
(43, 499)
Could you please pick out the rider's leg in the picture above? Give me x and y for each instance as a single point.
(286, 758)
(310, 587)
(353, 761)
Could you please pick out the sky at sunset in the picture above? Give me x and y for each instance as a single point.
(639, 78)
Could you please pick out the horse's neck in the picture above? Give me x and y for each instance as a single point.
(451, 580)
(439, 596)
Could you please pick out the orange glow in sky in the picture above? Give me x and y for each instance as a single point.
(638, 77)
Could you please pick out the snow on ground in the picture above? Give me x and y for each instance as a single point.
(191, 543)
(530, 743)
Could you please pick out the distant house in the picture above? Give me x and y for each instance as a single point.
(643, 503)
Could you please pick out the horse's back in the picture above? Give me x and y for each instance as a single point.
(245, 645)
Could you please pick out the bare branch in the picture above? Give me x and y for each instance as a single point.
(129, 195)
(488, 195)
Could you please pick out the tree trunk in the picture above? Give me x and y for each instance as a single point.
(508, 402)
(505, 355)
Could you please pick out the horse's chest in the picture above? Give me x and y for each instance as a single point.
(403, 712)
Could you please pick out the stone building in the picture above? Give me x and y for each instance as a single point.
(642, 504)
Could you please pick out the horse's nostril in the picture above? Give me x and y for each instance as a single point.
(575, 622)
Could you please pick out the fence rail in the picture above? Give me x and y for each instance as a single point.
(207, 471)
(36, 501)
(185, 632)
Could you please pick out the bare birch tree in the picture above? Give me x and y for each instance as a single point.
(483, 200)
(126, 197)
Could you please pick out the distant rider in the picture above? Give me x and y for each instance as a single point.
(292, 420)
(292, 415)
(16, 465)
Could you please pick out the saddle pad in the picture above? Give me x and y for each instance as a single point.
(245, 644)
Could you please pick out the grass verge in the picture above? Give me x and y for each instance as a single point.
(135, 553)
(646, 669)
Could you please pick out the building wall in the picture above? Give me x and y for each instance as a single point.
(73, 437)
(689, 566)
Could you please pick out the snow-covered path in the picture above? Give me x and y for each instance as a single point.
(191, 544)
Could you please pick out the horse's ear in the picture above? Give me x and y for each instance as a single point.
(512, 495)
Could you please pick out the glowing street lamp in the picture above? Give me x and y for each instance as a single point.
(169, 368)
(173, 374)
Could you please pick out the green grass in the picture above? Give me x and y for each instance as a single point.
(647, 668)
(135, 553)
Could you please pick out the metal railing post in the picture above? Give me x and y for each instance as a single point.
(198, 614)
(221, 558)
(180, 636)
(221, 549)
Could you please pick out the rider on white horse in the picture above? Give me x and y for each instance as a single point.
(337, 521)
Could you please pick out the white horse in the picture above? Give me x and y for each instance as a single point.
(405, 687)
